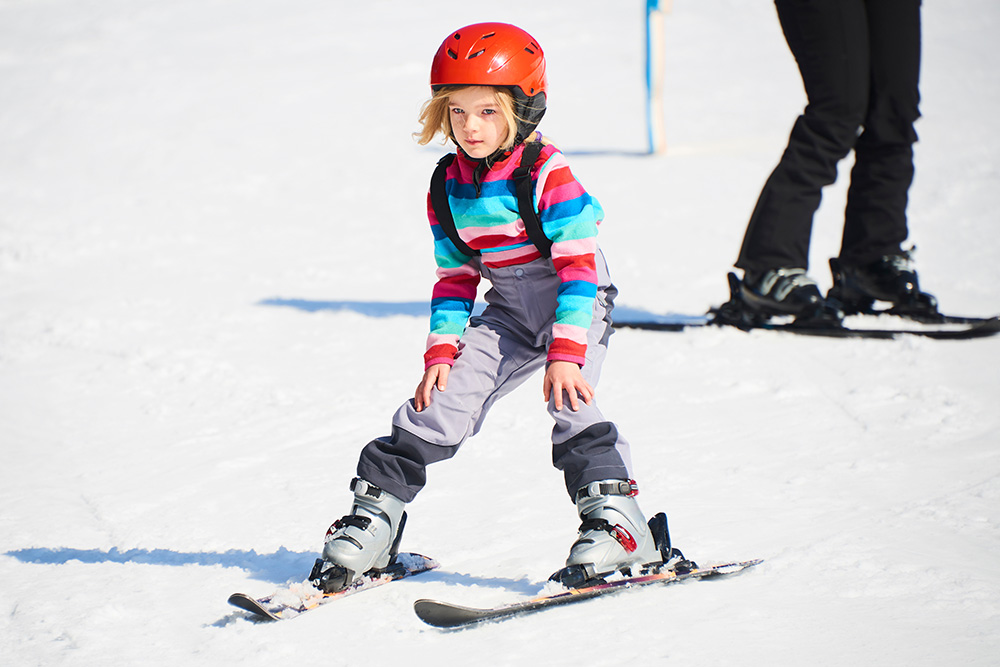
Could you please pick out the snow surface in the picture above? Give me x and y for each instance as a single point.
(211, 300)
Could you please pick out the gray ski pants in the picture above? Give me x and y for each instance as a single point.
(498, 351)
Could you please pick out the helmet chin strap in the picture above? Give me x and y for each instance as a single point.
(486, 163)
(496, 156)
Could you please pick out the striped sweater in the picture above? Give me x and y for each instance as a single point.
(488, 221)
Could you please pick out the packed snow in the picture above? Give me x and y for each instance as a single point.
(215, 266)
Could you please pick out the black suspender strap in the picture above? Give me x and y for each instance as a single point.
(526, 198)
(442, 210)
(525, 201)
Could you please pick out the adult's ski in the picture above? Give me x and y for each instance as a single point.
(951, 328)
(919, 318)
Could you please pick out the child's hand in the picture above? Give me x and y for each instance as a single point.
(565, 376)
(435, 375)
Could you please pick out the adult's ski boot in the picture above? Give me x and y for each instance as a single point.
(783, 292)
(890, 279)
(753, 302)
(614, 536)
(367, 539)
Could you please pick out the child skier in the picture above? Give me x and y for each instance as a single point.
(547, 307)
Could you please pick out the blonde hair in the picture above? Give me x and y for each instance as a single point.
(434, 116)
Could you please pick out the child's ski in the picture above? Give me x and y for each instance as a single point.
(295, 599)
(447, 615)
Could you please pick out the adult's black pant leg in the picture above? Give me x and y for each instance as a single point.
(875, 220)
(829, 41)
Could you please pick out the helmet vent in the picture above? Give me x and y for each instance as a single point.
(488, 35)
(452, 55)
(477, 54)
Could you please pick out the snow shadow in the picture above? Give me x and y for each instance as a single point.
(521, 585)
(607, 152)
(369, 308)
(277, 567)
(630, 314)
(422, 309)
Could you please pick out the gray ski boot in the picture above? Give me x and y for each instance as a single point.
(614, 536)
(366, 539)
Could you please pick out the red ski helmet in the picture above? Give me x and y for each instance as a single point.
(495, 54)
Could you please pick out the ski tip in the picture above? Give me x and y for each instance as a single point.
(247, 603)
(423, 603)
(240, 599)
(444, 614)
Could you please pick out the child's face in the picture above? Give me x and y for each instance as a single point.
(476, 121)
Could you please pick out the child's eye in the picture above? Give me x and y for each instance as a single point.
(489, 112)
(456, 110)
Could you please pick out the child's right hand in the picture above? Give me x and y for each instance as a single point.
(436, 375)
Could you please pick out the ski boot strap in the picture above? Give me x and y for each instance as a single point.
(617, 531)
(363, 488)
(609, 487)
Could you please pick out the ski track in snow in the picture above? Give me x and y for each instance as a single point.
(210, 302)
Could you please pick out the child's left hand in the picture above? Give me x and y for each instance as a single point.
(565, 376)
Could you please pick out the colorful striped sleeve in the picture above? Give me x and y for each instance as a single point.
(452, 298)
(569, 217)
